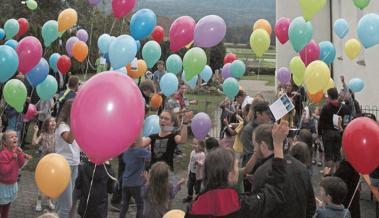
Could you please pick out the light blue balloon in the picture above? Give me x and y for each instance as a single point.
(341, 28)
(53, 60)
(2, 33)
(238, 68)
(47, 89)
(11, 43)
(206, 74)
(356, 85)
(138, 43)
(230, 88)
(103, 43)
(122, 51)
(174, 64)
(368, 30)
(142, 23)
(169, 84)
(327, 52)
(300, 33)
(8, 62)
(50, 32)
(151, 125)
(192, 82)
(39, 73)
(11, 28)
(151, 53)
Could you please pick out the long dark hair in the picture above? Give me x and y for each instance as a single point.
(64, 115)
(158, 185)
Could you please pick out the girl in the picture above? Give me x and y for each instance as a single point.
(69, 149)
(11, 160)
(46, 140)
(158, 191)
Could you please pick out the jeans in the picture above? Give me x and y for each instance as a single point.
(193, 183)
(64, 202)
(134, 192)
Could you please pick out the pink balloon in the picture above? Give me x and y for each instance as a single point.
(121, 8)
(181, 32)
(281, 29)
(310, 53)
(29, 51)
(70, 43)
(107, 115)
(31, 113)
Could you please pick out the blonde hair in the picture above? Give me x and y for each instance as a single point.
(49, 215)
(158, 185)
(4, 136)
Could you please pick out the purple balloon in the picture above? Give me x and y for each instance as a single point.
(284, 75)
(209, 31)
(201, 125)
(94, 2)
(225, 72)
(82, 35)
(70, 43)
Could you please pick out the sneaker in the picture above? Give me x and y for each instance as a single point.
(39, 206)
(50, 205)
(116, 207)
(187, 199)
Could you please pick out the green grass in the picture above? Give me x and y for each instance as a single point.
(270, 79)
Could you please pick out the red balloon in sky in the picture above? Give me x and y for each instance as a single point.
(24, 25)
(229, 58)
(64, 64)
(158, 34)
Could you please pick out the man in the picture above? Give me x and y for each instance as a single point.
(157, 76)
(240, 98)
(147, 88)
(179, 96)
(298, 191)
(69, 93)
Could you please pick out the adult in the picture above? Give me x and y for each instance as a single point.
(179, 96)
(157, 75)
(69, 93)
(147, 88)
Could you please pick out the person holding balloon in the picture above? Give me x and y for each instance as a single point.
(69, 93)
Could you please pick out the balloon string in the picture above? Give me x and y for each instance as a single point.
(113, 24)
(259, 66)
(89, 192)
(355, 191)
(90, 43)
(122, 25)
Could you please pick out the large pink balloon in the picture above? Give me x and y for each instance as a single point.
(310, 53)
(181, 32)
(107, 115)
(121, 8)
(209, 31)
(29, 51)
(31, 113)
(281, 29)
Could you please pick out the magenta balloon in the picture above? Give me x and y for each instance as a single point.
(31, 113)
(107, 115)
(121, 8)
(310, 53)
(284, 75)
(209, 31)
(225, 72)
(201, 125)
(70, 43)
(82, 35)
(281, 29)
(94, 2)
(181, 32)
(29, 51)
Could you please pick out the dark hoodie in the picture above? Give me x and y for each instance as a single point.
(327, 112)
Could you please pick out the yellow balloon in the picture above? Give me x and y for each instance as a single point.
(316, 77)
(260, 42)
(330, 85)
(174, 214)
(353, 48)
(67, 19)
(53, 174)
(297, 68)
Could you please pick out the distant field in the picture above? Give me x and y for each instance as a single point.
(270, 79)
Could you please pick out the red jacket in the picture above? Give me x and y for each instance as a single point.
(9, 166)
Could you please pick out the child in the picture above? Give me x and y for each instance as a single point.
(197, 159)
(132, 179)
(211, 144)
(11, 160)
(46, 140)
(158, 191)
(318, 146)
(333, 191)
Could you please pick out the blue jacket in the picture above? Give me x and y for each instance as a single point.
(134, 159)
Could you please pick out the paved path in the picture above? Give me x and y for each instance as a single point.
(253, 87)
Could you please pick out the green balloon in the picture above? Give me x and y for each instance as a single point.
(297, 68)
(230, 88)
(237, 68)
(151, 52)
(194, 62)
(15, 94)
(47, 89)
(174, 64)
(311, 7)
(32, 5)
(50, 32)
(60, 34)
(361, 4)
(300, 33)
(11, 28)
(259, 42)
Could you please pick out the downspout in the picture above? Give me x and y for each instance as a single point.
(331, 35)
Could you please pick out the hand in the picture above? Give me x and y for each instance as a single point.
(18, 150)
(36, 129)
(280, 132)
(225, 121)
(181, 181)
(239, 118)
(28, 157)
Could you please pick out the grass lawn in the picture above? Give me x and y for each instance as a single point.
(269, 78)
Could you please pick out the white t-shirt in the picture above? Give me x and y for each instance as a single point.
(195, 156)
(71, 152)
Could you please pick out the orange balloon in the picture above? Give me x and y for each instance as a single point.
(136, 73)
(80, 51)
(263, 24)
(156, 101)
(316, 98)
(67, 19)
(53, 174)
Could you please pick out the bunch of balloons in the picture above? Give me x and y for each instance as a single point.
(76, 46)
(260, 38)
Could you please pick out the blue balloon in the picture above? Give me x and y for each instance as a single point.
(206, 74)
(300, 33)
(11, 43)
(8, 62)
(356, 85)
(138, 45)
(341, 28)
(368, 30)
(192, 82)
(142, 23)
(151, 125)
(103, 42)
(169, 84)
(39, 73)
(2, 33)
(53, 60)
(47, 89)
(327, 52)
(122, 51)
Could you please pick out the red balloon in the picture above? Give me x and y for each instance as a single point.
(310, 53)
(229, 58)
(361, 144)
(24, 25)
(158, 34)
(121, 8)
(64, 64)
